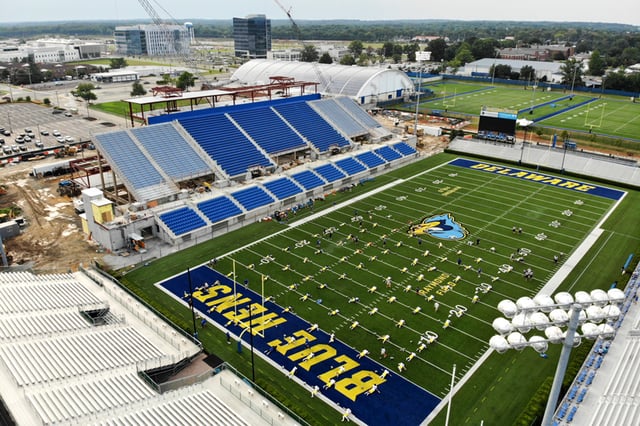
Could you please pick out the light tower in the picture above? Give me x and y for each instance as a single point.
(591, 311)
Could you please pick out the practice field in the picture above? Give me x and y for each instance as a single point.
(470, 99)
(416, 268)
(605, 116)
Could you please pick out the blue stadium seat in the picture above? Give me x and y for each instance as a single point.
(370, 159)
(268, 130)
(592, 376)
(388, 153)
(218, 209)
(329, 172)
(582, 376)
(283, 188)
(131, 161)
(573, 392)
(332, 110)
(563, 410)
(310, 125)
(571, 415)
(252, 197)
(404, 149)
(182, 220)
(356, 111)
(582, 395)
(171, 151)
(308, 179)
(225, 143)
(351, 166)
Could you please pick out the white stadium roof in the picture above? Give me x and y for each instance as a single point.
(352, 81)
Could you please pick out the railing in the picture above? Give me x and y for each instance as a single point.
(259, 409)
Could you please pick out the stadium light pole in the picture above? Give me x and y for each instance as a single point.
(575, 71)
(253, 365)
(564, 155)
(193, 314)
(585, 310)
(415, 125)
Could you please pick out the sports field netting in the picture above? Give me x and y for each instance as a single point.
(427, 296)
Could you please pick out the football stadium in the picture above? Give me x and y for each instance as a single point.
(299, 261)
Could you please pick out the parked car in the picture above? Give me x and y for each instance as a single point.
(19, 139)
(15, 148)
(68, 114)
(56, 111)
(6, 133)
(23, 148)
(7, 149)
(27, 138)
(1, 141)
(44, 132)
(60, 139)
(56, 133)
(69, 139)
(39, 144)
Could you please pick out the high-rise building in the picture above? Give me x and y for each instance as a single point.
(154, 40)
(252, 36)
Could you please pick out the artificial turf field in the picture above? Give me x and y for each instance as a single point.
(615, 116)
(317, 268)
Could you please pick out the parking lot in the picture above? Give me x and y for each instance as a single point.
(39, 119)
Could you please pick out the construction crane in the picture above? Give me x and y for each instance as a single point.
(316, 68)
(168, 34)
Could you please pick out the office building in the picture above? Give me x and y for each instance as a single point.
(252, 36)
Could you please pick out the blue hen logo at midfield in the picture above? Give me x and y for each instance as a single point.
(442, 226)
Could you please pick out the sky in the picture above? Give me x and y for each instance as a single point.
(620, 11)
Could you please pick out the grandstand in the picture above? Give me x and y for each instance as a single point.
(74, 348)
(185, 172)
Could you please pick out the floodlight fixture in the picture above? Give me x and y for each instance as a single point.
(559, 318)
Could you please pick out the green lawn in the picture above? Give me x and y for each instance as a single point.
(605, 116)
(488, 206)
(459, 99)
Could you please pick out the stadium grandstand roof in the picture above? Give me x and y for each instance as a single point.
(365, 84)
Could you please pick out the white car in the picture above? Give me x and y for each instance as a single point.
(60, 139)
(69, 139)
(56, 133)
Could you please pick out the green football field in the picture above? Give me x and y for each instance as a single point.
(613, 116)
(319, 268)
(605, 116)
(487, 203)
(469, 99)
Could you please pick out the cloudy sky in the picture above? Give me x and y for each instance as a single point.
(618, 11)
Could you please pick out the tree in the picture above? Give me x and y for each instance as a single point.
(116, 63)
(484, 48)
(387, 49)
(528, 73)
(185, 80)
(571, 72)
(85, 91)
(347, 60)
(356, 48)
(325, 58)
(437, 48)
(596, 64)
(500, 71)
(363, 60)
(137, 89)
(309, 54)
(463, 54)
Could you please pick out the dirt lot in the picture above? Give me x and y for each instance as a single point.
(52, 240)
